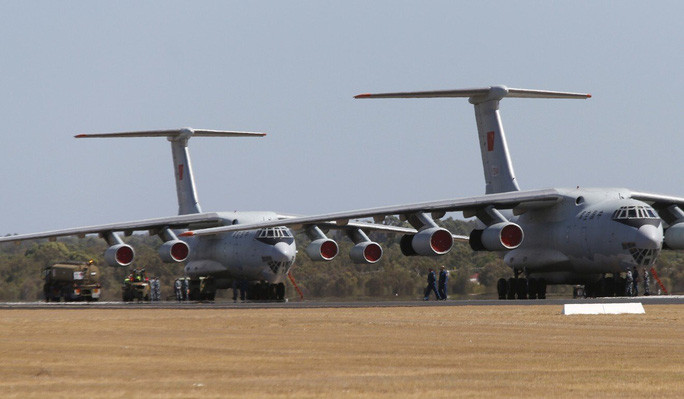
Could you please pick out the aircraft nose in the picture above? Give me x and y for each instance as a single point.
(282, 252)
(649, 237)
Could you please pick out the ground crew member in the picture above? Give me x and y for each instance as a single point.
(177, 286)
(629, 284)
(431, 285)
(156, 291)
(443, 278)
(647, 290)
(240, 285)
(185, 290)
(635, 276)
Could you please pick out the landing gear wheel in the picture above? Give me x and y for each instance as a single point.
(280, 291)
(620, 283)
(541, 288)
(522, 288)
(610, 287)
(502, 288)
(532, 288)
(512, 288)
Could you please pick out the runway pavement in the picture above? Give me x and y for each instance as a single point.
(645, 300)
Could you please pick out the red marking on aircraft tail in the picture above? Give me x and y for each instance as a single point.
(180, 172)
(490, 141)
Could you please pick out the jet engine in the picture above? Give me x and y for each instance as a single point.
(366, 252)
(174, 251)
(429, 242)
(674, 236)
(119, 255)
(497, 237)
(322, 249)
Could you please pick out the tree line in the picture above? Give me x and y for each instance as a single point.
(472, 274)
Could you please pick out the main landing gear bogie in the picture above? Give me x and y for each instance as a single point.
(266, 292)
(521, 288)
(605, 287)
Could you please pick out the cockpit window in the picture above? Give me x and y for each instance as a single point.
(274, 232)
(635, 212)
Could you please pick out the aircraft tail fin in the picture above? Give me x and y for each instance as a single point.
(185, 181)
(496, 161)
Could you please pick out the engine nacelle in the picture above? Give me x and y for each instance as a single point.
(366, 252)
(674, 236)
(119, 255)
(429, 242)
(322, 249)
(497, 237)
(174, 251)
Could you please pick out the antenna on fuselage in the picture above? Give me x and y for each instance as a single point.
(185, 181)
(496, 160)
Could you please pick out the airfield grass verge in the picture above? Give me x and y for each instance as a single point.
(471, 351)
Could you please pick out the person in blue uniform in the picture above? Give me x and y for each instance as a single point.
(431, 285)
(443, 278)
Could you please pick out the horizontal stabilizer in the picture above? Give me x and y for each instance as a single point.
(480, 94)
(174, 133)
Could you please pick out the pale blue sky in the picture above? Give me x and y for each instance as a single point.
(291, 69)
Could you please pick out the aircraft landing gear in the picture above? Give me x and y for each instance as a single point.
(605, 287)
(202, 289)
(521, 288)
(263, 291)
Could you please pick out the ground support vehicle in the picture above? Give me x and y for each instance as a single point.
(72, 281)
(136, 286)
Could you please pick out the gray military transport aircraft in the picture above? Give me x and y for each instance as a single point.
(587, 236)
(260, 257)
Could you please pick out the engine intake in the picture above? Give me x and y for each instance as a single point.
(429, 242)
(366, 252)
(322, 249)
(175, 251)
(119, 255)
(674, 236)
(497, 237)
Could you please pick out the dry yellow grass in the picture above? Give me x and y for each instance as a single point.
(423, 352)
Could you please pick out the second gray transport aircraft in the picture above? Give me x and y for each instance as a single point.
(258, 258)
(551, 236)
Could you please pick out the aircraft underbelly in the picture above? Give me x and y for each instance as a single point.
(235, 256)
(567, 252)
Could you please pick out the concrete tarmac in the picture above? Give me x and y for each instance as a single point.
(316, 304)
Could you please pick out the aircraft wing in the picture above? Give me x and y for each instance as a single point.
(658, 200)
(198, 220)
(376, 227)
(519, 201)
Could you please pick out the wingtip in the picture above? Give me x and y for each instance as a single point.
(80, 136)
(187, 234)
(364, 95)
(588, 95)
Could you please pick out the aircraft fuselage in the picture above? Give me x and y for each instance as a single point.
(251, 255)
(588, 233)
